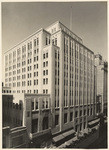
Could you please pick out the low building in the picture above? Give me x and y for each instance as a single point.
(12, 113)
(15, 138)
(37, 116)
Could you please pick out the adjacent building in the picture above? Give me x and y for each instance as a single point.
(15, 138)
(102, 81)
(57, 70)
(37, 117)
(12, 113)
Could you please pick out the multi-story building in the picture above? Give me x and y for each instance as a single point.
(37, 117)
(54, 61)
(102, 80)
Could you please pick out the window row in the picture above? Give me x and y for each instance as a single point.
(45, 55)
(36, 82)
(45, 72)
(36, 66)
(45, 91)
(36, 51)
(45, 81)
(36, 58)
(45, 64)
(35, 104)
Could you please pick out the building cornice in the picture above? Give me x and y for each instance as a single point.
(28, 38)
(78, 42)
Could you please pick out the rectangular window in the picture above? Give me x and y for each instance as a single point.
(43, 64)
(84, 112)
(34, 51)
(76, 114)
(28, 46)
(46, 55)
(36, 104)
(37, 66)
(80, 112)
(56, 119)
(37, 58)
(46, 63)
(34, 82)
(37, 41)
(32, 105)
(43, 56)
(30, 67)
(46, 80)
(46, 91)
(34, 74)
(37, 50)
(34, 42)
(34, 59)
(43, 81)
(88, 112)
(71, 116)
(91, 112)
(34, 66)
(46, 104)
(65, 118)
(46, 72)
(37, 81)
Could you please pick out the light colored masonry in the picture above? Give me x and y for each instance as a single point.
(54, 61)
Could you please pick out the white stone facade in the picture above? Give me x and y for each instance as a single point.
(54, 61)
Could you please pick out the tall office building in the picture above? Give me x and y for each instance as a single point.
(102, 80)
(54, 61)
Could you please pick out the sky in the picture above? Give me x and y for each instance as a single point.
(89, 21)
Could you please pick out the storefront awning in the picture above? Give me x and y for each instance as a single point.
(61, 139)
(93, 123)
(58, 138)
(68, 143)
(68, 133)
